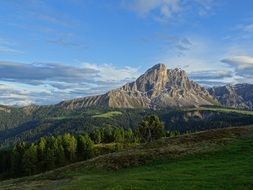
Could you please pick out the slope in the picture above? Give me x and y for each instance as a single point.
(216, 159)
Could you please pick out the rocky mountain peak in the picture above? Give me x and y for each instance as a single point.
(157, 87)
(158, 79)
(157, 67)
(154, 79)
(161, 86)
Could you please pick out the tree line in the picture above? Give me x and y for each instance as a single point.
(55, 151)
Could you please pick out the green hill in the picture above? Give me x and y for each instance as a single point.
(215, 159)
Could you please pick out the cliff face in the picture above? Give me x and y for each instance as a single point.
(237, 96)
(157, 87)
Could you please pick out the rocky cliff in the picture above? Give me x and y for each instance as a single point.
(236, 96)
(157, 87)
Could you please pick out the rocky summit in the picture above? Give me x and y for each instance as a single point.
(158, 87)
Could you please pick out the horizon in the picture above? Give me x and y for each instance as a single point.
(52, 51)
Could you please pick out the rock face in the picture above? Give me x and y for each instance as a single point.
(157, 87)
(236, 96)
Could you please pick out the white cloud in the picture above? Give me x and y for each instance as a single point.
(161, 10)
(240, 62)
(165, 7)
(109, 72)
(243, 67)
(205, 6)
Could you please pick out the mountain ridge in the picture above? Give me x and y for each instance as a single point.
(157, 87)
(236, 96)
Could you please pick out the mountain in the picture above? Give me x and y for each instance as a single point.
(157, 87)
(237, 96)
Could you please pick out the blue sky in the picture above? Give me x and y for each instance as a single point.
(53, 50)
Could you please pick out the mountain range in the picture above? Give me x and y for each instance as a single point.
(236, 96)
(157, 88)
(160, 87)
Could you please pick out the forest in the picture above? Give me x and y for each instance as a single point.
(55, 151)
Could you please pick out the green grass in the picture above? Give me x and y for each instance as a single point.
(64, 117)
(229, 168)
(215, 159)
(108, 114)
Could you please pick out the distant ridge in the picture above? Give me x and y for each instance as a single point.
(236, 96)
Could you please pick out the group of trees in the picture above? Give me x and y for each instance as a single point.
(111, 134)
(45, 154)
(55, 151)
(149, 129)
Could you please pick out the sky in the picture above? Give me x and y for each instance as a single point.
(54, 50)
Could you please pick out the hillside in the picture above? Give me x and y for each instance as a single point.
(215, 159)
(49, 121)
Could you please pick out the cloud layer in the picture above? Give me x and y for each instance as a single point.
(243, 66)
(44, 83)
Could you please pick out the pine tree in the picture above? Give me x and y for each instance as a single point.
(151, 128)
(84, 147)
(49, 159)
(70, 146)
(60, 156)
(30, 160)
(41, 146)
(17, 157)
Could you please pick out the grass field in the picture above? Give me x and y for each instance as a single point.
(216, 159)
(107, 114)
(231, 168)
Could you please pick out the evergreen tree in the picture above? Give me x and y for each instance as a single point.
(60, 156)
(17, 157)
(107, 135)
(70, 146)
(151, 128)
(30, 160)
(84, 147)
(96, 136)
(49, 159)
(41, 146)
(60, 153)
